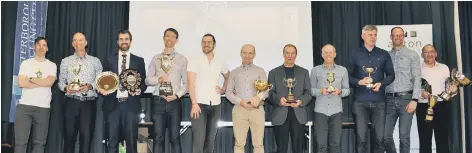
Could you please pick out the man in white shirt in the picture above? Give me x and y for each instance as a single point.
(36, 77)
(436, 74)
(203, 74)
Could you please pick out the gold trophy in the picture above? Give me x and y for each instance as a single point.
(330, 78)
(369, 71)
(460, 78)
(75, 84)
(290, 83)
(166, 87)
(261, 86)
(430, 112)
(451, 89)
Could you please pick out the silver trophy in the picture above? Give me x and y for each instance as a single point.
(166, 87)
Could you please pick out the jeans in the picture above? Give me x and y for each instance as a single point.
(204, 128)
(376, 111)
(166, 115)
(396, 110)
(328, 128)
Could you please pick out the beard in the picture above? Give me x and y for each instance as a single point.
(124, 47)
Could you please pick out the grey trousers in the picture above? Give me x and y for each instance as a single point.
(328, 132)
(396, 111)
(27, 116)
(204, 128)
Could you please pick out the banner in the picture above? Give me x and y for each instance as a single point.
(416, 36)
(30, 24)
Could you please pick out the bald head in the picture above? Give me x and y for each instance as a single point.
(248, 52)
(328, 47)
(328, 52)
(429, 54)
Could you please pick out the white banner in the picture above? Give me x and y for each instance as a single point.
(416, 36)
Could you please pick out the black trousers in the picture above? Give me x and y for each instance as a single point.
(297, 134)
(440, 125)
(123, 123)
(79, 117)
(166, 115)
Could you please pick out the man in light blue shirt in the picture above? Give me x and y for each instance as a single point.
(328, 105)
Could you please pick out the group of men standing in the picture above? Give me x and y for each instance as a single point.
(391, 92)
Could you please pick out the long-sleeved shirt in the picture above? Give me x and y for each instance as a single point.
(407, 67)
(241, 83)
(91, 67)
(177, 73)
(378, 59)
(329, 104)
(436, 77)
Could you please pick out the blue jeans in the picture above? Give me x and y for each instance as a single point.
(396, 110)
(375, 110)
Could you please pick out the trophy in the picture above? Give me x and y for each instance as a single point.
(75, 84)
(107, 81)
(166, 87)
(290, 83)
(131, 81)
(369, 71)
(330, 78)
(261, 86)
(460, 78)
(429, 113)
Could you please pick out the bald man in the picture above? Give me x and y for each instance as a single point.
(248, 112)
(80, 105)
(328, 107)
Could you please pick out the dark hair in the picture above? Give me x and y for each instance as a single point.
(39, 39)
(172, 30)
(396, 28)
(209, 35)
(125, 32)
(290, 45)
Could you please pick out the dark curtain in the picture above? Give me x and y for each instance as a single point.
(8, 45)
(340, 24)
(99, 21)
(465, 20)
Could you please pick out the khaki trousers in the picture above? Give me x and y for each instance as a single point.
(243, 120)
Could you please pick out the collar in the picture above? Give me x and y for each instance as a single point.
(366, 50)
(334, 66)
(436, 65)
(85, 56)
(399, 49)
(171, 54)
(247, 66)
(121, 53)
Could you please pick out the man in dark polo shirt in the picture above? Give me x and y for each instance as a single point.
(370, 99)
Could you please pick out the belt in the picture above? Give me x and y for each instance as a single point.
(81, 98)
(122, 99)
(398, 94)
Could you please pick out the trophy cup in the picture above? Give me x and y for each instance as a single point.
(330, 78)
(369, 71)
(290, 83)
(261, 86)
(460, 78)
(166, 87)
(75, 84)
(451, 89)
(429, 113)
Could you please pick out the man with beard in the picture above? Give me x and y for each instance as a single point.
(167, 109)
(203, 74)
(403, 93)
(121, 107)
(36, 77)
(80, 105)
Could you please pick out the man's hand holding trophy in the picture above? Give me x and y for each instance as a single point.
(165, 89)
(260, 86)
(76, 85)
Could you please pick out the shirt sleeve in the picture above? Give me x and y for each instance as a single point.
(263, 76)
(192, 65)
(230, 95)
(224, 67)
(314, 90)
(63, 72)
(23, 69)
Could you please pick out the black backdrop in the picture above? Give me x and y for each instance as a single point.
(338, 23)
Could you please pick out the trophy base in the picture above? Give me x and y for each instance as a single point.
(369, 86)
(331, 89)
(429, 118)
(291, 99)
(74, 87)
(165, 89)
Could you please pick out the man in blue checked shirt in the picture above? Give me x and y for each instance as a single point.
(328, 107)
(370, 102)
